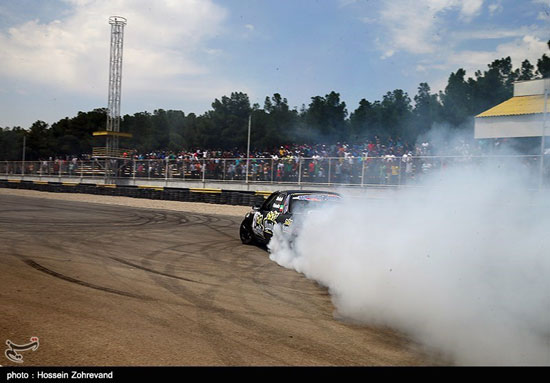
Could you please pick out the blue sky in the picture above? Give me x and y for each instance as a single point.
(182, 54)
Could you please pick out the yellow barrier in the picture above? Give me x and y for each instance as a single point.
(265, 193)
(205, 190)
(106, 186)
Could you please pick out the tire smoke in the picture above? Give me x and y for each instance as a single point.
(461, 264)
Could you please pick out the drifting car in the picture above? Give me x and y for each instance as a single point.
(282, 208)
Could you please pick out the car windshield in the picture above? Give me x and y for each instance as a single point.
(304, 203)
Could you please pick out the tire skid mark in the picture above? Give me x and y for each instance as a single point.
(293, 296)
(254, 328)
(228, 266)
(146, 258)
(308, 307)
(158, 272)
(210, 221)
(45, 270)
(61, 244)
(206, 299)
(144, 216)
(204, 309)
(206, 313)
(261, 279)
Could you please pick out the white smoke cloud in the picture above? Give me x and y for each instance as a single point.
(461, 265)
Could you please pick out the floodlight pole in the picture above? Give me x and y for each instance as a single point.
(115, 82)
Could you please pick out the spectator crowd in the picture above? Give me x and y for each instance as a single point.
(391, 162)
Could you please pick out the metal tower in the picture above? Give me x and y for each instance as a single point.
(115, 84)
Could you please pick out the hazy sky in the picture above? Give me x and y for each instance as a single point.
(182, 54)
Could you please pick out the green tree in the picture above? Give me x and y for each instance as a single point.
(228, 122)
(161, 129)
(456, 99)
(11, 144)
(277, 123)
(366, 120)
(427, 110)
(396, 114)
(40, 143)
(140, 125)
(543, 66)
(73, 136)
(326, 116)
(491, 87)
(176, 129)
(527, 71)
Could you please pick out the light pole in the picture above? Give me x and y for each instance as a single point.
(248, 145)
(23, 156)
(542, 139)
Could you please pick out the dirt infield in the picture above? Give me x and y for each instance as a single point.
(119, 281)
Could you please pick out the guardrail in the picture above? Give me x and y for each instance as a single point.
(354, 171)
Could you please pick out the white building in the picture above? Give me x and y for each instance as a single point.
(523, 115)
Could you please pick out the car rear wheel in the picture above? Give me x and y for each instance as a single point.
(246, 236)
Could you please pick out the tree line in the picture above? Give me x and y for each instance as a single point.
(325, 119)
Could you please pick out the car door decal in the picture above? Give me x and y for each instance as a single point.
(257, 224)
(270, 221)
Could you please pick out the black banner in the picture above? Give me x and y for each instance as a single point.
(121, 374)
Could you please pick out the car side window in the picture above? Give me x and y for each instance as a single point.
(279, 203)
(286, 204)
(269, 202)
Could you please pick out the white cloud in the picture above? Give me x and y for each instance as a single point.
(424, 29)
(492, 33)
(470, 8)
(417, 26)
(527, 47)
(160, 44)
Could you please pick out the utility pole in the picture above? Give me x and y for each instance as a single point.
(542, 138)
(248, 145)
(23, 157)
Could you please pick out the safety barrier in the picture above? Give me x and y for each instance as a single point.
(213, 196)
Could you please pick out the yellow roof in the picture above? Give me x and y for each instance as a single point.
(516, 106)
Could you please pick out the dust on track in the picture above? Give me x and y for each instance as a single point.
(119, 281)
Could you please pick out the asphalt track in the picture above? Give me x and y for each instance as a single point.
(123, 286)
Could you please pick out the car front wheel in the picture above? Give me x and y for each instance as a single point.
(246, 236)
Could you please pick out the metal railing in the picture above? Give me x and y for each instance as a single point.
(358, 171)
(109, 152)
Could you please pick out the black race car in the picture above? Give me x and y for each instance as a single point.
(282, 208)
